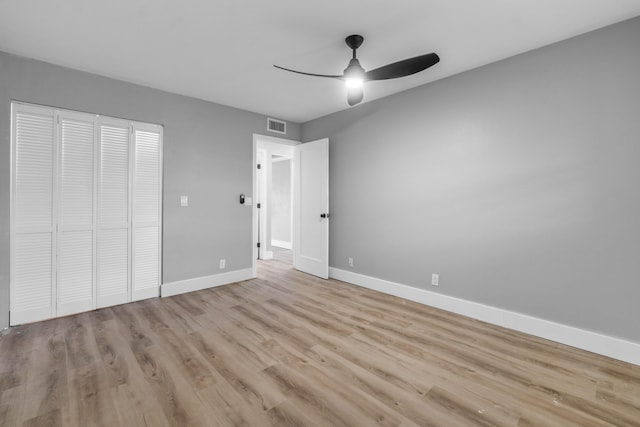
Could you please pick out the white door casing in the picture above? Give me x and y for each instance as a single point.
(261, 201)
(311, 208)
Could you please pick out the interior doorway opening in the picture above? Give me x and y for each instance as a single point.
(281, 207)
(308, 166)
(274, 161)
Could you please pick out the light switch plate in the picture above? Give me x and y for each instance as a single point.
(435, 278)
(184, 200)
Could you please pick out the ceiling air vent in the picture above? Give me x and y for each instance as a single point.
(277, 126)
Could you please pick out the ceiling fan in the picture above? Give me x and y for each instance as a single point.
(354, 75)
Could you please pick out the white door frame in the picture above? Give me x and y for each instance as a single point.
(264, 139)
(261, 199)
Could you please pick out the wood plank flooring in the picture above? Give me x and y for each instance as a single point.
(288, 349)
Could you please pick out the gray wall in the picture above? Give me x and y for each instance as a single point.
(207, 156)
(281, 200)
(518, 183)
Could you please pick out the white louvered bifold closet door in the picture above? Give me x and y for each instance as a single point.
(86, 212)
(147, 218)
(32, 278)
(76, 212)
(113, 213)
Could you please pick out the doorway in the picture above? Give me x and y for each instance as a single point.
(273, 226)
(307, 168)
(281, 208)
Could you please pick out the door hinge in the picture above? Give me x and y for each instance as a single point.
(258, 244)
(259, 166)
(258, 206)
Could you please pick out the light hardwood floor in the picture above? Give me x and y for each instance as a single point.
(289, 349)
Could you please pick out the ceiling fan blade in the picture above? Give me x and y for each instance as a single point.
(403, 68)
(310, 74)
(355, 95)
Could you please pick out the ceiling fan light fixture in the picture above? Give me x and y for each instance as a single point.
(354, 82)
(354, 74)
(354, 95)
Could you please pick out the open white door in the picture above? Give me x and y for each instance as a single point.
(311, 208)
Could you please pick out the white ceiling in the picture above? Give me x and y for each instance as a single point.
(223, 50)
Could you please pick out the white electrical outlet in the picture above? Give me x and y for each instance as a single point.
(223, 263)
(184, 200)
(434, 279)
(350, 262)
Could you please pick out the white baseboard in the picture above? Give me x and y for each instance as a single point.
(616, 348)
(198, 283)
(281, 244)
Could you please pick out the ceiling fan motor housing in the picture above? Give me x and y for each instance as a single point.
(354, 41)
